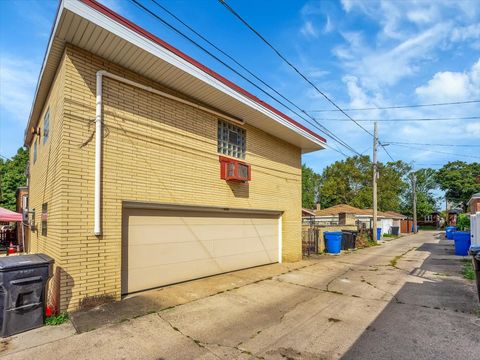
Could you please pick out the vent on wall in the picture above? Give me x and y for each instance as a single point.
(234, 170)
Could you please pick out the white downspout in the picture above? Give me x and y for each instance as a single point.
(97, 230)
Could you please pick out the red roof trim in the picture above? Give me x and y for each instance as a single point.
(127, 23)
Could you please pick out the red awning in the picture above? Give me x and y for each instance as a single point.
(8, 215)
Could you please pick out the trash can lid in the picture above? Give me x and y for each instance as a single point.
(8, 263)
(475, 250)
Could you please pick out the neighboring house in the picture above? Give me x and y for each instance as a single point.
(432, 219)
(306, 213)
(364, 217)
(147, 168)
(474, 203)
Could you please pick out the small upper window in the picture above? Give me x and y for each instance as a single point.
(46, 126)
(35, 151)
(231, 140)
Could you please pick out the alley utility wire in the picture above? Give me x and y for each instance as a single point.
(325, 130)
(231, 10)
(436, 151)
(407, 119)
(423, 144)
(317, 125)
(402, 106)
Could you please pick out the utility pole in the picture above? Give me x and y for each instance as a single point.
(374, 186)
(414, 190)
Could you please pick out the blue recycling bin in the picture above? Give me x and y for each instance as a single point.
(379, 233)
(333, 241)
(462, 242)
(449, 230)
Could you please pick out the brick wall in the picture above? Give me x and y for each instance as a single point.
(46, 184)
(155, 150)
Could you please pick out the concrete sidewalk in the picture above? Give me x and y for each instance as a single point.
(404, 299)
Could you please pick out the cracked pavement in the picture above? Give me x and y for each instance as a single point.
(405, 299)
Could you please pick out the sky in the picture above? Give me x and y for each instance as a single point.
(361, 54)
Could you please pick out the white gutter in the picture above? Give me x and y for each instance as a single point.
(97, 230)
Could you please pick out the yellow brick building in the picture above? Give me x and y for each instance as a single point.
(164, 212)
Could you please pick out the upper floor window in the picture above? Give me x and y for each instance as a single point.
(46, 126)
(231, 140)
(35, 151)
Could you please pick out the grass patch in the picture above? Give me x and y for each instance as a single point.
(390, 236)
(427, 227)
(394, 261)
(56, 319)
(468, 272)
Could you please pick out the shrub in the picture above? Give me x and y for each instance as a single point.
(463, 222)
(56, 319)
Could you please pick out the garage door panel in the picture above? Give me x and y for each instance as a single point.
(245, 245)
(267, 229)
(245, 260)
(150, 234)
(149, 255)
(163, 247)
(143, 278)
(219, 231)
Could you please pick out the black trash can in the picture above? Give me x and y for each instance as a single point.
(348, 239)
(23, 282)
(475, 252)
(395, 230)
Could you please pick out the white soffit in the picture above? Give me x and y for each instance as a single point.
(100, 32)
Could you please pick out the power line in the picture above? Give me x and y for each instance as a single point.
(401, 106)
(408, 119)
(326, 130)
(439, 152)
(423, 144)
(318, 126)
(427, 164)
(229, 8)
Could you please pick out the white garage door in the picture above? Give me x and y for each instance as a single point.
(162, 247)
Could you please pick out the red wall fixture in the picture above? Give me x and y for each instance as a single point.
(234, 170)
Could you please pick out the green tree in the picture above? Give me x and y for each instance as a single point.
(347, 182)
(310, 187)
(426, 201)
(459, 181)
(12, 175)
(350, 182)
(392, 185)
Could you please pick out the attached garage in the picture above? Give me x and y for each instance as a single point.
(172, 244)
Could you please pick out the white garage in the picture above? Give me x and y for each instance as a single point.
(168, 245)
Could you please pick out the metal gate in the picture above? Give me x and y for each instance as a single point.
(310, 236)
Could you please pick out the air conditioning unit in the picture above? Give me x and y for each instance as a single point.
(234, 170)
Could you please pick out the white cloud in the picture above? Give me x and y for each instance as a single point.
(328, 25)
(376, 68)
(318, 73)
(469, 33)
(473, 129)
(452, 86)
(308, 29)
